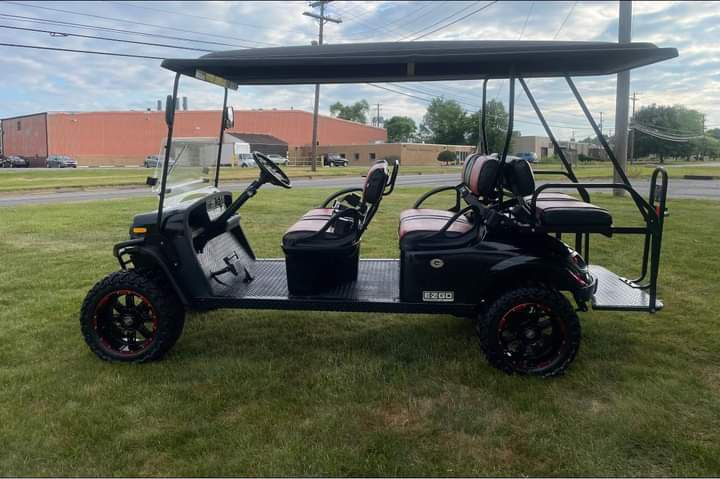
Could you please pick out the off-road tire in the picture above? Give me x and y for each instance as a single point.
(165, 303)
(488, 329)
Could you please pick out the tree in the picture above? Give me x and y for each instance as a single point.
(674, 120)
(496, 122)
(447, 157)
(400, 129)
(356, 112)
(445, 123)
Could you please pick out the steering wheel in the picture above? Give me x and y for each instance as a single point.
(271, 171)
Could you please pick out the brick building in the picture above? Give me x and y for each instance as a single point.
(127, 137)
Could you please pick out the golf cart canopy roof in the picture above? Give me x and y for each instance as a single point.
(417, 61)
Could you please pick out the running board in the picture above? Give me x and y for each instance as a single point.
(618, 294)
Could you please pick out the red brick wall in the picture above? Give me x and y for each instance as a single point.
(103, 138)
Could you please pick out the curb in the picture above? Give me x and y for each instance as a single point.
(701, 177)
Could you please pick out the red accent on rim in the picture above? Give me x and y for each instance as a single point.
(522, 306)
(116, 294)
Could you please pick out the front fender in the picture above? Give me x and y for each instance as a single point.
(142, 254)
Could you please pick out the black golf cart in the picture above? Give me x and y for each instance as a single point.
(497, 254)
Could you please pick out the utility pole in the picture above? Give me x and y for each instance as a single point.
(631, 155)
(377, 117)
(704, 139)
(601, 124)
(622, 96)
(322, 19)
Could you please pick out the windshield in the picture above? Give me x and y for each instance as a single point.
(191, 170)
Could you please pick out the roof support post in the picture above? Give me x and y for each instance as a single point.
(618, 169)
(223, 115)
(483, 147)
(548, 131)
(511, 117)
(166, 160)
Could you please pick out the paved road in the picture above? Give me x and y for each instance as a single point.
(679, 188)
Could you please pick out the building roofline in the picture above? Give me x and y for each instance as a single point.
(161, 112)
(24, 116)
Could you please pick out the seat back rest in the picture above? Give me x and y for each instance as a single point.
(481, 177)
(375, 182)
(467, 166)
(519, 177)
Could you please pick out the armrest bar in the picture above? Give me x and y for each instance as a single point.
(339, 193)
(430, 193)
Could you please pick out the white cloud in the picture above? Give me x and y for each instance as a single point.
(34, 80)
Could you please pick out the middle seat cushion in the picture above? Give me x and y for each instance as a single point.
(428, 220)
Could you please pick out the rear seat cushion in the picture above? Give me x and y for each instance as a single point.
(571, 213)
(551, 195)
(427, 220)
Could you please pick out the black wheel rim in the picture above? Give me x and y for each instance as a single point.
(532, 337)
(126, 322)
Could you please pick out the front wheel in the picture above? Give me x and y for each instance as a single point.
(531, 331)
(131, 317)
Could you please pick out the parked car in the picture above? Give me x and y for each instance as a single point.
(60, 161)
(151, 161)
(278, 159)
(14, 162)
(246, 160)
(333, 159)
(530, 156)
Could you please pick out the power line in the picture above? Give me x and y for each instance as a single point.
(91, 52)
(572, 8)
(24, 19)
(218, 20)
(429, 100)
(438, 22)
(402, 23)
(487, 5)
(135, 22)
(68, 34)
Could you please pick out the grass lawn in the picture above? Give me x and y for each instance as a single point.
(43, 179)
(303, 393)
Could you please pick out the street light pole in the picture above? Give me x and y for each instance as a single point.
(322, 18)
(622, 96)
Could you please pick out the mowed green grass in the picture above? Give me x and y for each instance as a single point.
(305, 393)
(57, 178)
(38, 179)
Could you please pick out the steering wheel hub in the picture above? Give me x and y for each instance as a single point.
(270, 172)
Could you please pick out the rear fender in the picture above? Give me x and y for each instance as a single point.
(519, 270)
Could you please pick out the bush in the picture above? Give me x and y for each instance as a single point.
(447, 156)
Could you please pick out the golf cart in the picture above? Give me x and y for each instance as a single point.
(496, 255)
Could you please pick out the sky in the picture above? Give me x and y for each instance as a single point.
(36, 80)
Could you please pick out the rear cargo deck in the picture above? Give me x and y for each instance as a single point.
(616, 293)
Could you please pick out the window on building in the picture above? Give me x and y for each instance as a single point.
(356, 156)
(372, 156)
(19, 126)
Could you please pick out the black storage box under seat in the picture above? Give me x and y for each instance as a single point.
(312, 272)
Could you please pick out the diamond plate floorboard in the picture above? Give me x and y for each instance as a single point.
(614, 293)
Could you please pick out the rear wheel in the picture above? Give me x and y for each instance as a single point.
(131, 317)
(531, 331)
